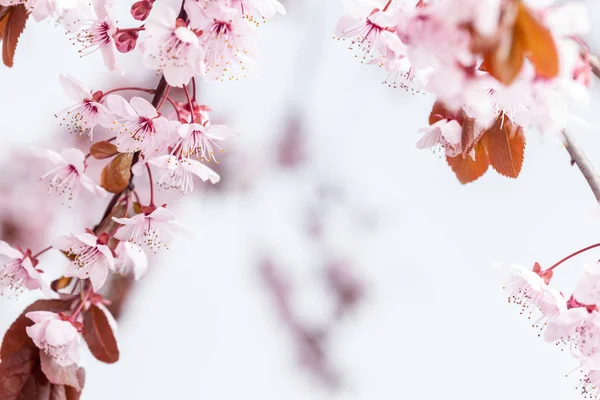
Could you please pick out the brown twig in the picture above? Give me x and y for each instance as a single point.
(579, 158)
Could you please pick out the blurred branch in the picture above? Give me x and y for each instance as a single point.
(595, 64)
(583, 163)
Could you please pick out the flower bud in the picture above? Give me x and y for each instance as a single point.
(126, 40)
(141, 9)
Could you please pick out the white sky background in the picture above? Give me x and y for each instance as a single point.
(435, 322)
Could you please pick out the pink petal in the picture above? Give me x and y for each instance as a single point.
(98, 275)
(164, 162)
(121, 107)
(105, 250)
(219, 132)
(9, 251)
(64, 242)
(51, 155)
(162, 214)
(143, 107)
(59, 333)
(74, 88)
(200, 170)
(138, 258)
(74, 157)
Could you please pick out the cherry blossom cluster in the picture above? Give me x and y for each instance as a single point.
(168, 137)
(484, 60)
(216, 41)
(571, 322)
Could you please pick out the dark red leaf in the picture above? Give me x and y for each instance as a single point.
(13, 23)
(16, 373)
(99, 336)
(101, 150)
(505, 144)
(116, 174)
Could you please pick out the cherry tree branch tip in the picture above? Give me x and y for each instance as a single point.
(583, 163)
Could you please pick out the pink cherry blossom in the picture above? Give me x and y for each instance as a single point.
(581, 326)
(153, 230)
(590, 385)
(131, 260)
(56, 337)
(172, 47)
(19, 273)
(529, 290)
(177, 173)
(587, 290)
(99, 34)
(92, 258)
(200, 140)
(227, 39)
(445, 134)
(141, 127)
(258, 10)
(70, 175)
(87, 112)
(370, 32)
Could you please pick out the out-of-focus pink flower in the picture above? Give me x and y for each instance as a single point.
(131, 260)
(19, 273)
(141, 127)
(153, 230)
(590, 385)
(70, 175)
(87, 112)
(258, 10)
(55, 336)
(587, 290)
(99, 34)
(172, 47)
(581, 326)
(227, 39)
(91, 257)
(444, 133)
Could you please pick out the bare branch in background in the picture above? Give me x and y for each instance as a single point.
(583, 163)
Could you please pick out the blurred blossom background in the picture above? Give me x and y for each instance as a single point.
(334, 260)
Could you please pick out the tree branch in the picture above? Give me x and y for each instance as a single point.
(583, 163)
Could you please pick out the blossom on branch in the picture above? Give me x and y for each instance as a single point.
(55, 336)
(19, 273)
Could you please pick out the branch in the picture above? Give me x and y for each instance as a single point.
(583, 163)
(594, 64)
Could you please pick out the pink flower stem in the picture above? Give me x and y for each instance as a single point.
(175, 107)
(78, 310)
(194, 87)
(151, 185)
(137, 197)
(162, 101)
(139, 89)
(36, 255)
(187, 95)
(387, 5)
(139, 28)
(573, 255)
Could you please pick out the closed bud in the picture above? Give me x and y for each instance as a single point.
(141, 9)
(126, 40)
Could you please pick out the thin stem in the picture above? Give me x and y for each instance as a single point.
(139, 28)
(573, 255)
(583, 163)
(137, 197)
(387, 5)
(194, 87)
(36, 255)
(165, 95)
(151, 185)
(78, 310)
(151, 91)
(175, 107)
(187, 95)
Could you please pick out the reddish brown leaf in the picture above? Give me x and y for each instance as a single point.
(116, 174)
(101, 150)
(469, 135)
(59, 375)
(505, 61)
(505, 144)
(539, 45)
(13, 23)
(466, 169)
(99, 336)
(16, 373)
